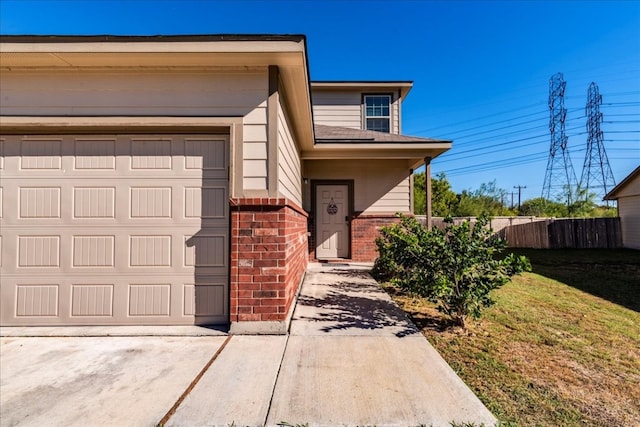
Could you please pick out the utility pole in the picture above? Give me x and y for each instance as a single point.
(519, 187)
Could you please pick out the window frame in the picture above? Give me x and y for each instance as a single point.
(364, 111)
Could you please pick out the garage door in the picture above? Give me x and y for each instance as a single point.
(114, 229)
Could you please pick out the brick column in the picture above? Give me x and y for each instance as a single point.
(364, 230)
(268, 261)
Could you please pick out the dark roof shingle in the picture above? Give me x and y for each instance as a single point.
(337, 134)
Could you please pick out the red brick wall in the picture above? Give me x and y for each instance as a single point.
(364, 230)
(268, 257)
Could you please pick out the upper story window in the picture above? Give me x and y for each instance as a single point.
(377, 112)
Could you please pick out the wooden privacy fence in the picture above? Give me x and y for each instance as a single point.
(545, 233)
(579, 233)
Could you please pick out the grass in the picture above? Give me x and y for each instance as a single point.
(561, 346)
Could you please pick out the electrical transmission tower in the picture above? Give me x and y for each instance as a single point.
(597, 177)
(560, 179)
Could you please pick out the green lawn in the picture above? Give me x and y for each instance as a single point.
(561, 347)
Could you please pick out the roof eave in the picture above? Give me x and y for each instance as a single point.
(414, 154)
(612, 195)
(288, 52)
(383, 85)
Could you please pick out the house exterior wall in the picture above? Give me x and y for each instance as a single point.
(364, 231)
(289, 163)
(632, 188)
(344, 108)
(627, 193)
(629, 212)
(375, 193)
(377, 197)
(268, 249)
(150, 93)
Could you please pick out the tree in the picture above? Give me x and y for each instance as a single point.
(488, 199)
(443, 199)
(543, 207)
(584, 206)
(419, 194)
(455, 267)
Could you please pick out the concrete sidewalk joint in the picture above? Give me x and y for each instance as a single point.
(352, 357)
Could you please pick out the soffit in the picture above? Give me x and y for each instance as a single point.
(364, 86)
(414, 154)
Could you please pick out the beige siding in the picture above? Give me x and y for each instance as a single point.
(289, 165)
(629, 209)
(334, 108)
(395, 115)
(254, 153)
(631, 188)
(374, 192)
(344, 109)
(236, 93)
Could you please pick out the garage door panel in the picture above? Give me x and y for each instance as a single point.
(121, 230)
(150, 300)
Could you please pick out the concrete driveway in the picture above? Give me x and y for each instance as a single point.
(352, 358)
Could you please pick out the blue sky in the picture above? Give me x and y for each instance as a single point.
(481, 69)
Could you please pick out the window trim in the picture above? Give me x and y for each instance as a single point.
(364, 110)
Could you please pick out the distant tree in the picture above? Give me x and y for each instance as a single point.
(488, 199)
(443, 199)
(583, 207)
(604, 211)
(543, 207)
(419, 194)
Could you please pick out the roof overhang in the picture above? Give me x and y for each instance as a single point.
(615, 192)
(287, 52)
(404, 86)
(335, 143)
(414, 154)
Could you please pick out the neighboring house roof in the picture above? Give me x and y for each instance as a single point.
(336, 134)
(615, 193)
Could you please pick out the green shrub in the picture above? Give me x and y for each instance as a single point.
(456, 267)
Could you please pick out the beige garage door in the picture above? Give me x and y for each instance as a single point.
(114, 229)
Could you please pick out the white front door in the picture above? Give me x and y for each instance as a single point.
(332, 231)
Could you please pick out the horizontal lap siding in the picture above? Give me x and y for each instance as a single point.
(254, 153)
(135, 93)
(332, 108)
(235, 93)
(380, 186)
(344, 109)
(629, 211)
(395, 116)
(289, 166)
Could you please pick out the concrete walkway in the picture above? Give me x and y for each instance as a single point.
(351, 358)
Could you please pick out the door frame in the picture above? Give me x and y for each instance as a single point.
(314, 214)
